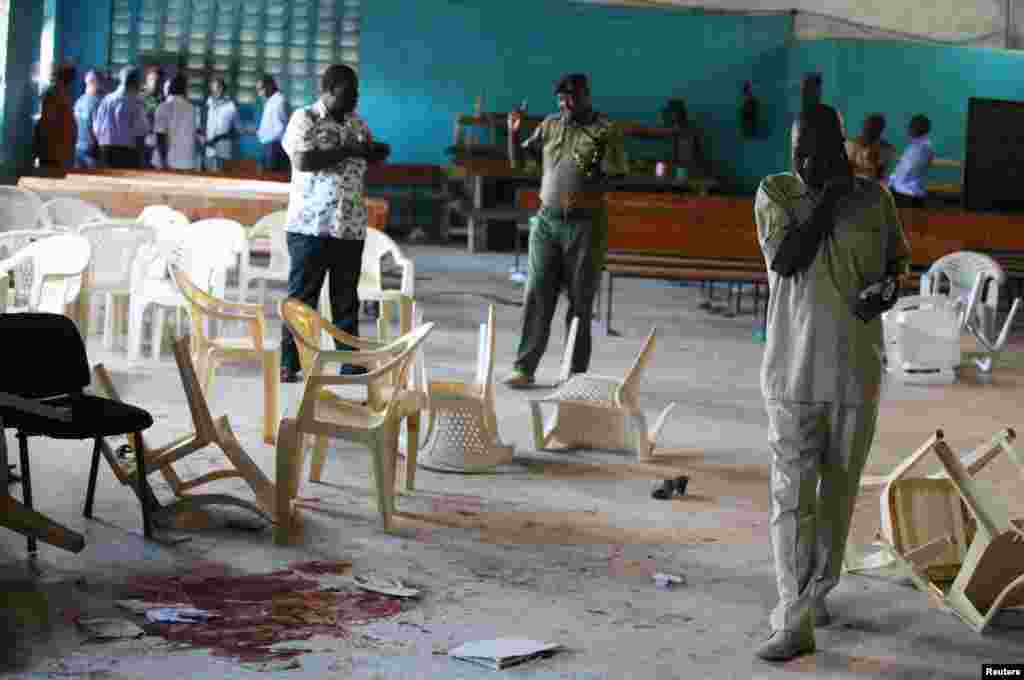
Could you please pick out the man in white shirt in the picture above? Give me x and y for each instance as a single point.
(272, 126)
(330, 147)
(222, 123)
(176, 129)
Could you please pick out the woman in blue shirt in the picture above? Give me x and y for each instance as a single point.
(909, 181)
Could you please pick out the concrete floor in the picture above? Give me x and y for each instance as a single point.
(556, 547)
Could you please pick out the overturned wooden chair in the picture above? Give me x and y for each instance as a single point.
(950, 537)
(598, 412)
(208, 432)
(463, 432)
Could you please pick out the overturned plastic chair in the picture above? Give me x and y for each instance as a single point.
(957, 275)
(598, 412)
(463, 432)
(950, 535)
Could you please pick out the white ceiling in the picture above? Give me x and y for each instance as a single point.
(981, 22)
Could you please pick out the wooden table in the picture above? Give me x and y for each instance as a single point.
(125, 193)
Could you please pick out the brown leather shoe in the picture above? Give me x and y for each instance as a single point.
(784, 645)
(517, 380)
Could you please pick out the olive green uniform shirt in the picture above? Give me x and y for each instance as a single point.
(576, 154)
(817, 349)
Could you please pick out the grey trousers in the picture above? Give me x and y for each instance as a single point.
(818, 454)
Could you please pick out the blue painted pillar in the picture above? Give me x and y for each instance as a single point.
(18, 92)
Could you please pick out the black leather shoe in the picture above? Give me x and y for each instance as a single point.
(352, 369)
(290, 376)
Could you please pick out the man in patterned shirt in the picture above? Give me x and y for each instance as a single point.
(329, 146)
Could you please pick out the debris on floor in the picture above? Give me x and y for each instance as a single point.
(179, 615)
(319, 568)
(110, 629)
(254, 612)
(503, 653)
(667, 581)
(385, 587)
(141, 606)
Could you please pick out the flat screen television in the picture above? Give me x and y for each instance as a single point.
(994, 160)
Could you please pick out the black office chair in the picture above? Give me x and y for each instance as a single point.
(44, 359)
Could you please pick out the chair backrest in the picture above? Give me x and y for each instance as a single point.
(58, 264)
(280, 260)
(631, 384)
(961, 270)
(200, 303)
(197, 404)
(266, 225)
(225, 241)
(160, 215)
(20, 209)
(11, 242)
(307, 328)
(45, 355)
(485, 352)
(377, 245)
(68, 212)
(114, 248)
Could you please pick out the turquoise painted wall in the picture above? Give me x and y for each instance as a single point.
(84, 35)
(901, 79)
(424, 62)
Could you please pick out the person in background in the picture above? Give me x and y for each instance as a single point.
(909, 180)
(176, 129)
(120, 123)
(87, 149)
(272, 126)
(57, 130)
(580, 149)
(869, 154)
(222, 124)
(152, 97)
(826, 237)
(330, 147)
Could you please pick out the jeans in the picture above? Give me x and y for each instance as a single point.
(312, 258)
(274, 158)
(83, 159)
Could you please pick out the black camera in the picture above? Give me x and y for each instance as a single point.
(877, 298)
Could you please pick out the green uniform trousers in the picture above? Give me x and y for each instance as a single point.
(818, 454)
(567, 250)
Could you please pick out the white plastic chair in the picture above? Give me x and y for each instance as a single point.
(204, 261)
(598, 412)
(58, 265)
(371, 282)
(229, 237)
(115, 245)
(21, 209)
(68, 212)
(17, 283)
(922, 339)
(463, 433)
(272, 227)
(160, 215)
(959, 272)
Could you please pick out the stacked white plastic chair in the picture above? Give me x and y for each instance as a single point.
(17, 281)
(271, 227)
(68, 212)
(21, 209)
(115, 244)
(956, 274)
(371, 282)
(58, 265)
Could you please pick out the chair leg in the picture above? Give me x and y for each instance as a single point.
(271, 394)
(412, 448)
(381, 478)
(316, 467)
(26, 485)
(145, 493)
(94, 469)
(109, 321)
(159, 319)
